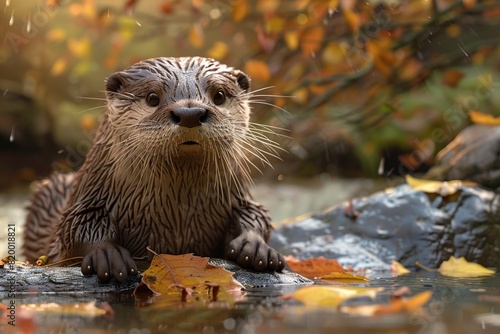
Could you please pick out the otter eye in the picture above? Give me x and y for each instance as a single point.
(153, 100)
(219, 98)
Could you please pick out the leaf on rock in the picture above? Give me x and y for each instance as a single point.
(462, 268)
(480, 118)
(445, 188)
(189, 271)
(398, 269)
(395, 306)
(311, 268)
(331, 296)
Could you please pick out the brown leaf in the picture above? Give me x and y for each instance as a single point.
(311, 268)
(189, 271)
(344, 277)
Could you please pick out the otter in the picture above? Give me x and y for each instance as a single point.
(168, 169)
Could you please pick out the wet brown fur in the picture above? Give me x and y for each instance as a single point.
(149, 181)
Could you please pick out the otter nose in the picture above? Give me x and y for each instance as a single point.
(189, 117)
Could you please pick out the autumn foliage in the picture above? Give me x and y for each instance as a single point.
(346, 71)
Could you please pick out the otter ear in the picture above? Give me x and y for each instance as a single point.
(115, 83)
(243, 81)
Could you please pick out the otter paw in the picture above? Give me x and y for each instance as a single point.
(250, 251)
(109, 260)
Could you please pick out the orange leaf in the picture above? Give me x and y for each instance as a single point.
(189, 270)
(258, 70)
(480, 118)
(196, 36)
(197, 3)
(451, 78)
(311, 40)
(240, 10)
(311, 268)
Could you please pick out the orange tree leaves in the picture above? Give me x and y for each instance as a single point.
(166, 273)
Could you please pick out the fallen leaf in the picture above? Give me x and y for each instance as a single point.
(331, 296)
(480, 118)
(398, 269)
(188, 270)
(444, 188)
(462, 268)
(345, 277)
(399, 292)
(311, 268)
(396, 305)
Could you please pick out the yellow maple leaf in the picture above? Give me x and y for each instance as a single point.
(331, 296)
(462, 268)
(218, 51)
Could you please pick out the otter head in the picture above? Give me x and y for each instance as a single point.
(180, 109)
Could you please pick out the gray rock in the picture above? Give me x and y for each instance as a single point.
(399, 224)
(69, 280)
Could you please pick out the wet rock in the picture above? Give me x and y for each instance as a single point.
(473, 155)
(399, 224)
(46, 280)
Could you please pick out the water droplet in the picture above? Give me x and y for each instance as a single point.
(138, 23)
(381, 166)
(28, 25)
(11, 21)
(12, 134)
(465, 53)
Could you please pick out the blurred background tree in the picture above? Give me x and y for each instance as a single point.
(362, 87)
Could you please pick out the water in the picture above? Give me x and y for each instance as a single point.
(467, 305)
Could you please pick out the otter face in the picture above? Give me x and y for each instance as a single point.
(179, 107)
